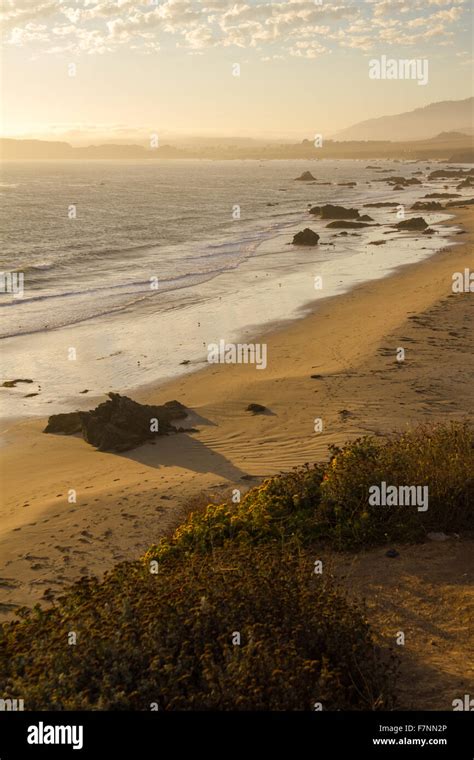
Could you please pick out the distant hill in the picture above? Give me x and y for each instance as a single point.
(420, 124)
(457, 147)
(32, 149)
(44, 149)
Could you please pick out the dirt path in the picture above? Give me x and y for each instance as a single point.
(427, 592)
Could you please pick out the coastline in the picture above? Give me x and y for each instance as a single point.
(257, 281)
(126, 502)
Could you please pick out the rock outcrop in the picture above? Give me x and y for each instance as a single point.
(306, 177)
(443, 195)
(119, 424)
(343, 225)
(256, 408)
(328, 211)
(426, 206)
(306, 237)
(417, 224)
(403, 181)
(454, 173)
(384, 204)
(456, 204)
(12, 383)
(68, 423)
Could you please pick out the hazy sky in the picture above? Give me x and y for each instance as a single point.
(167, 66)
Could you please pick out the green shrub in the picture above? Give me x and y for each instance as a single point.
(277, 509)
(440, 457)
(331, 502)
(168, 639)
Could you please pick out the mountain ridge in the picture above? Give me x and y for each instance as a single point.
(421, 123)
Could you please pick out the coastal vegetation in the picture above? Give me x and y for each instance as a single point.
(235, 610)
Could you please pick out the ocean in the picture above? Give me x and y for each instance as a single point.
(137, 265)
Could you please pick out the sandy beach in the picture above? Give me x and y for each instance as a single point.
(349, 343)
(125, 502)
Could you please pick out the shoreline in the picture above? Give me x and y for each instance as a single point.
(126, 502)
(130, 349)
(253, 333)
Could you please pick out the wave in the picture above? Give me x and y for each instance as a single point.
(136, 291)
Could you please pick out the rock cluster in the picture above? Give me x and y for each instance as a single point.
(119, 424)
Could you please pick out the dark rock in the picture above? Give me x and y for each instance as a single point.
(306, 177)
(345, 414)
(306, 237)
(426, 206)
(256, 408)
(403, 181)
(338, 212)
(456, 173)
(392, 553)
(389, 204)
(443, 195)
(68, 424)
(417, 223)
(328, 211)
(30, 395)
(428, 231)
(398, 187)
(365, 218)
(378, 242)
(457, 204)
(119, 424)
(12, 383)
(347, 184)
(186, 361)
(316, 377)
(348, 225)
(468, 182)
(86, 391)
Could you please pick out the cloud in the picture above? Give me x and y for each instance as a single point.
(17, 14)
(290, 28)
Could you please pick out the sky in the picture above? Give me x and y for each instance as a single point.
(167, 67)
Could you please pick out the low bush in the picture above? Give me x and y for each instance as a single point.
(237, 629)
(235, 618)
(439, 457)
(331, 502)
